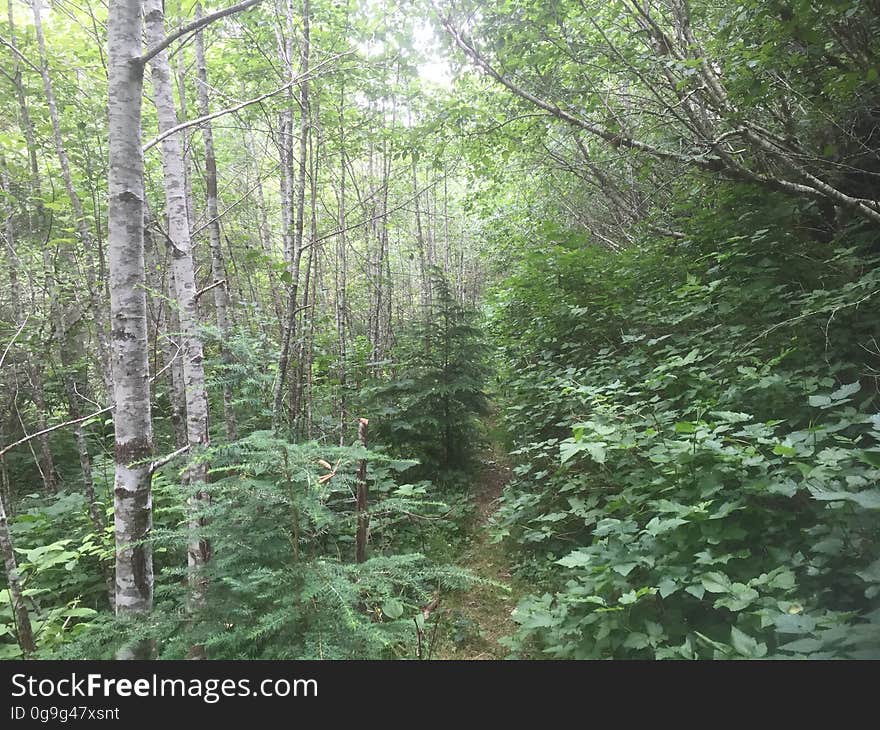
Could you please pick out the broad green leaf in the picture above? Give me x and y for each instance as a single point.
(745, 644)
(393, 608)
(715, 582)
(576, 559)
(667, 587)
(846, 390)
(781, 450)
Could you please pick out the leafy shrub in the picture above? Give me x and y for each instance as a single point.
(698, 445)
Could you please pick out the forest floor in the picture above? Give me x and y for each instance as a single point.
(474, 620)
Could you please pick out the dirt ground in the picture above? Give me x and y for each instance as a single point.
(473, 621)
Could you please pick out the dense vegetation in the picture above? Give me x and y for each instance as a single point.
(257, 396)
(698, 443)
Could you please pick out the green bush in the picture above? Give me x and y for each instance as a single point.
(698, 443)
(281, 582)
(430, 410)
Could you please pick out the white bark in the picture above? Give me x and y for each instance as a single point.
(82, 224)
(341, 273)
(128, 311)
(297, 238)
(34, 373)
(198, 552)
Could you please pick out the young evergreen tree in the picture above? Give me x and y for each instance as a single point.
(431, 409)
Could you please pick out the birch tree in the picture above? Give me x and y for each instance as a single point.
(198, 551)
(299, 220)
(128, 312)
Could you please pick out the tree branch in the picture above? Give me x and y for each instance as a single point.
(14, 338)
(616, 139)
(72, 422)
(209, 287)
(231, 110)
(208, 117)
(194, 26)
(159, 463)
(800, 181)
(19, 54)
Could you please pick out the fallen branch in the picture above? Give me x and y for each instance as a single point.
(799, 317)
(331, 469)
(431, 607)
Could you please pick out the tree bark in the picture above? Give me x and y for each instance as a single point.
(363, 520)
(198, 552)
(45, 463)
(24, 631)
(341, 274)
(128, 311)
(299, 222)
(217, 268)
(82, 223)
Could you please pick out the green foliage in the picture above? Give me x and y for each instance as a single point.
(281, 583)
(63, 560)
(698, 443)
(430, 410)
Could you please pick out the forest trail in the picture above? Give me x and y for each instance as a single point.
(475, 620)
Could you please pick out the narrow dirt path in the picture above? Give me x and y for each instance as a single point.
(476, 619)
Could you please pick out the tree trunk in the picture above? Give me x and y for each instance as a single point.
(341, 274)
(45, 462)
(198, 552)
(128, 311)
(24, 632)
(82, 224)
(297, 238)
(217, 267)
(363, 519)
(263, 226)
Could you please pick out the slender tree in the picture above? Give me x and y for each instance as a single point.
(128, 312)
(221, 303)
(198, 552)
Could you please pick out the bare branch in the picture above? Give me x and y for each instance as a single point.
(19, 54)
(14, 338)
(72, 422)
(208, 117)
(194, 26)
(231, 110)
(209, 287)
(159, 463)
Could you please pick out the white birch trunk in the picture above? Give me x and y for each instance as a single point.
(82, 224)
(198, 552)
(341, 273)
(297, 239)
(128, 311)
